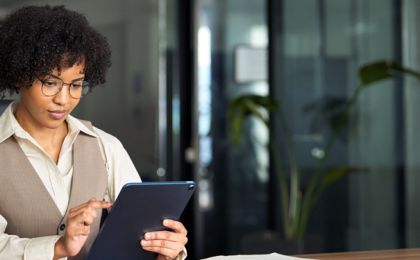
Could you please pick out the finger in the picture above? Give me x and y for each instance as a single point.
(91, 205)
(94, 204)
(83, 218)
(79, 231)
(82, 205)
(99, 204)
(162, 243)
(166, 235)
(176, 226)
(163, 251)
(88, 210)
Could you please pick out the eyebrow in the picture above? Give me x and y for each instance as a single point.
(62, 80)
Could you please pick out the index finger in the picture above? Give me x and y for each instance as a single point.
(176, 226)
(82, 205)
(93, 204)
(99, 204)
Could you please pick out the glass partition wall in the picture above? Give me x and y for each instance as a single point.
(315, 51)
(177, 65)
(318, 48)
(232, 178)
(411, 95)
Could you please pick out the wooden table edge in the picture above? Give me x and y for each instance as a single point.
(406, 254)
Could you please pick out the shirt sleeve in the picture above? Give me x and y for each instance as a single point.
(16, 248)
(182, 255)
(120, 168)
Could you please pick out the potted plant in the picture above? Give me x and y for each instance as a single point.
(297, 205)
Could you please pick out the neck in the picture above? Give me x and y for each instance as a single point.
(43, 135)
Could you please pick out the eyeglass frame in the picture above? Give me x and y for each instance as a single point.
(59, 89)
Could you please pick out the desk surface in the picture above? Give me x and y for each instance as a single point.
(405, 254)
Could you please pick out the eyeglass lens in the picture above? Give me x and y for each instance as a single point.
(52, 86)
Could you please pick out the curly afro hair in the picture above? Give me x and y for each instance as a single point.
(36, 39)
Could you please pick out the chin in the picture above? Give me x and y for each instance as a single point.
(53, 124)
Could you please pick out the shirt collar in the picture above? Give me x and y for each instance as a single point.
(10, 126)
(75, 125)
(8, 122)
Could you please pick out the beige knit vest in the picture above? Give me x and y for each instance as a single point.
(25, 202)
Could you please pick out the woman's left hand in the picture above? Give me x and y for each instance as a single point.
(167, 244)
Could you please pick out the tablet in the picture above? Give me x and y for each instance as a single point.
(139, 208)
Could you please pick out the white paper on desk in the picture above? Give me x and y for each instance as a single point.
(273, 256)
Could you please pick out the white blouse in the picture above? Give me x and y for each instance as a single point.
(57, 179)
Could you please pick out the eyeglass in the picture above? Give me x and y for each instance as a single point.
(53, 85)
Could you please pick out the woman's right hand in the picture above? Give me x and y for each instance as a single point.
(79, 220)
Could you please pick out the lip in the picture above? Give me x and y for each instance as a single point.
(57, 114)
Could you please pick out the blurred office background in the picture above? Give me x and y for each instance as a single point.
(175, 70)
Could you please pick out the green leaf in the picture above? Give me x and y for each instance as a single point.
(327, 111)
(246, 105)
(267, 103)
(383, 69)
(237, 123)
(339, 172)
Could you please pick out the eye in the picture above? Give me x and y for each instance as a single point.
(50, 83)
(77, 84)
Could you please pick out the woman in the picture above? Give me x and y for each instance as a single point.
(57, 173)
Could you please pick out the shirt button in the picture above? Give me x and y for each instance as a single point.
(62, 227)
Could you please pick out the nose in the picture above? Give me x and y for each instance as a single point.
(63, 97)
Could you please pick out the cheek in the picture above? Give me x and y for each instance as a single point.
(38, 109)
(35, 102)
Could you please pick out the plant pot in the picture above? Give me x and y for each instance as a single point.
(267, 242)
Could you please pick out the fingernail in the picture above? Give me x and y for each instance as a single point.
(144, 242)
(108, 204)
(148, 236)
(166, 222)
